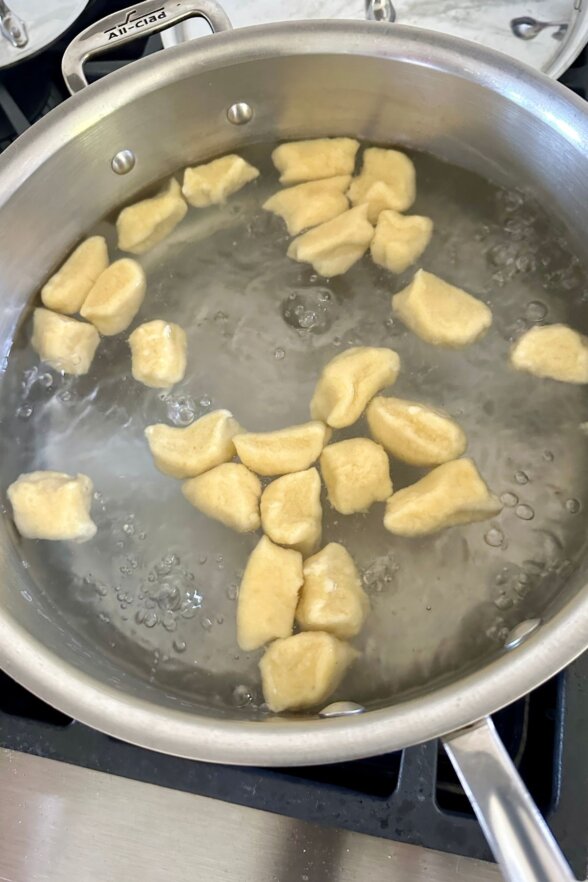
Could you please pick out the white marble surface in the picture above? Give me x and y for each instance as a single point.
(485, 22)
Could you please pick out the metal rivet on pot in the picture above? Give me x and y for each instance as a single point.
(520, 633)
(123, 162)
(341, 709)
(240, 113)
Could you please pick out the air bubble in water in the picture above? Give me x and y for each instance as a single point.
(503, 601)
(308, 310)
(509, 499)
(521, 477)
(548, 456)
(24, 412)
(129, 529)
(205, 401)
(206, 624)
(181, 409)
(279, 353)
(536, 311)
(233, 591)
(525, 512)
(150, 619)
(179, 645)
(241, 696)
(494, 537)
(573, 505)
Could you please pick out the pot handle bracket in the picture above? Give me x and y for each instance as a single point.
(521, 841)
(133, 23)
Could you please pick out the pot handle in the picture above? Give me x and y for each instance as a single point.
(521, 841)
(133, 23)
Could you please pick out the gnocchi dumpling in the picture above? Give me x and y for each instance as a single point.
(187, 452)
(349, 381)
(268, 594)
(147, 223)
(53, 505)
(440, 313)
(291, 510)
(310, 204)
(332, 598)
(158, 354)
(228, 493)
(400, 240)
(387, 180)
(556, 352)
(64, 343)
(314, 159)
(67, 289)
(213, 182)
(116, 296)
(302, 671)
(333, 247)
(283, 451)
(415, 433)
(452, 494)
(356, 473)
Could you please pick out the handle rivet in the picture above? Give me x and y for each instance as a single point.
(240, 113)
(520, 633)
(123, 162)
(342, 709)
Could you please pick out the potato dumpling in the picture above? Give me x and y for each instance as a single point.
(146, 223)
(268, 594)
(189, 451)
(415, 433)
(302, 671)
(332, 598)
(440, 313)
(116, 296)
(64, 343)
(333, 247)
(452, 494)
(356, 473)
(53, 505)
(283, 451)
(553, 351)
(307, 205)
(291, 510)
(229, 493)
(213, 182)
(400, 240)
(158, 354)
(67, 289)
(311, 160)
(349, 381)
(387, 180)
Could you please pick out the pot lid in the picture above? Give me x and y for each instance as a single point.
(547, 34)
(27, 26)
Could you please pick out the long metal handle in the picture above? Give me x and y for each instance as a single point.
(517, 834)
(132, 23)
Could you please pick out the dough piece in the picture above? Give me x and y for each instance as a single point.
(284, 451)
(452, 494)
(291, 512)
(400, 240)
(268, 594)
(440, 313)
(53, 505)
(116, 297)
(303, 671)
(356, 473)
(332, 248)
(332, 598)
(311, 160)
(67, 289)
(212, 183)
(387, 180)
(307, 205)
(64, 343)
(187, 452)
(415, 433)
(228, 493)
(147, 223)
(553, 351)
(158, 353)
(349, 381)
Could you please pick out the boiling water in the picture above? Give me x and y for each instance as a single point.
(156, 590)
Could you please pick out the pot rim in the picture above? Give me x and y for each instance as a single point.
(282, 741)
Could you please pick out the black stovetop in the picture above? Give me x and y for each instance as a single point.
(412, 796)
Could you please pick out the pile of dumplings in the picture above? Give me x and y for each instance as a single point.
(334, 217)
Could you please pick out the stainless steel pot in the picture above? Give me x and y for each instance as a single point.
(379, 82)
